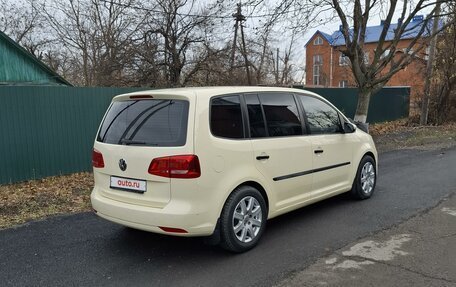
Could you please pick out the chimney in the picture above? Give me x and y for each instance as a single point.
(341, 28)
(382, 22)
(399, 21)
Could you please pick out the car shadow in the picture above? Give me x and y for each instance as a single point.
(132, 242)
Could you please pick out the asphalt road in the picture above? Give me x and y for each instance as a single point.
(83, 250)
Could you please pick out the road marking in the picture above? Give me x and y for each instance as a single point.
(449, 211)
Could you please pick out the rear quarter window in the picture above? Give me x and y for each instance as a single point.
(226, 117)
(146, 123)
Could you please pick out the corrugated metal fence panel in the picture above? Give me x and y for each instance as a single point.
(49, 130)
(390, 103)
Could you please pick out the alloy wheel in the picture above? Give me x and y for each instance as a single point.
(367, 177)
(247, 219)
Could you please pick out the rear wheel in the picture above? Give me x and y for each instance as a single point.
(243, 219)
(366, 179)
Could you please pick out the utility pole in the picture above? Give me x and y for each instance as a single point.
(277, 67)
(429, 68)
(239, 18)
(233, 49)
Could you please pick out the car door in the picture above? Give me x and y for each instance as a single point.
(332, 149)
(282, 151)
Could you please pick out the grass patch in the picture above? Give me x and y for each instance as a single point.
(25, 201)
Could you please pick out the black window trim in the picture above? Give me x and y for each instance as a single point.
(245, 117)
(341, 131)
(302, 116)
(248, 117)
(101, 122)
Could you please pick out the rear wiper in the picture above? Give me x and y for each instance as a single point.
(128, 142)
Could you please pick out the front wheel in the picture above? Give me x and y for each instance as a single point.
(365, 180)
(243, 219)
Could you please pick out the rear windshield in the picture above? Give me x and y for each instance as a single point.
(145, 123)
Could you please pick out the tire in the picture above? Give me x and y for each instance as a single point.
(366, 178)
(243, 219)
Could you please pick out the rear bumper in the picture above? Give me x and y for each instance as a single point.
(149, 218)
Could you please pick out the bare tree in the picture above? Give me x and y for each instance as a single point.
(179, 26)
(371, 77)
(97, 35)
(429, 69)
(283, 68)
(159, 43)
(211, 68)
(443, 99)
(271, 42)
(21, 21)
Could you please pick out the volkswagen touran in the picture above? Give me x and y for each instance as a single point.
(220, 161)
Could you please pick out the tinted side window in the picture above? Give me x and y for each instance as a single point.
(146, 122)
(322, 118)
(281, 113)
(256, 119)
(226, 117)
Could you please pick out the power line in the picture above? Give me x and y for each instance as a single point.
(191, 14)
(164, 12)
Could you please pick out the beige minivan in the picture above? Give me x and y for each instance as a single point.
(220, 161)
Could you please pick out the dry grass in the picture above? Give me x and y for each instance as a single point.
(388, 127)
(35, 199)
(401, 134)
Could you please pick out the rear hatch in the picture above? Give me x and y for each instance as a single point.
(135, 130)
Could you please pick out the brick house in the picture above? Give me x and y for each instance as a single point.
(326, 66)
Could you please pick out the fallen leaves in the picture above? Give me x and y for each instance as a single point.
(388, 127)
(21, 202)
(400, 135)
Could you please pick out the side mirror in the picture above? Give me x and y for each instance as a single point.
(362, 126)
(349, 128)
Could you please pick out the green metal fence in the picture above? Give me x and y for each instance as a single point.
(49, 130)
(390, 103)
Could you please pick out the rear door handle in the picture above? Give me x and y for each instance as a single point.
(318, 151)
(261, 157)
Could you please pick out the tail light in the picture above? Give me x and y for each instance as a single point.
(97, 159)
(177, 166)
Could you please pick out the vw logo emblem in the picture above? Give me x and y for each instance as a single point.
(122, 164)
